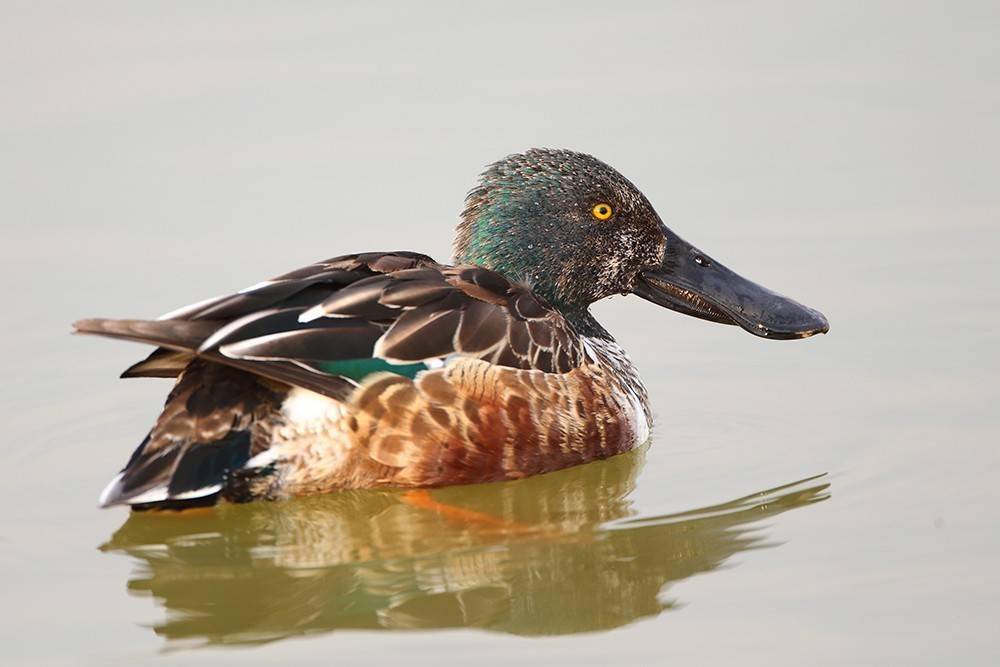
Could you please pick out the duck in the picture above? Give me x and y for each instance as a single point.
(392, 370)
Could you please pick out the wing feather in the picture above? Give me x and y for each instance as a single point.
(400, 307)
(161, 363)
(420, 334)
(483, 327)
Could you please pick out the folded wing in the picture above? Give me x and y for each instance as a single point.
(399, 308)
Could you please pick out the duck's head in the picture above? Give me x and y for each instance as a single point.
(577, 231)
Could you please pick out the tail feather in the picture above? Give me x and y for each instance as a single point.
(184, 472)
(161, 363)
(203, 437)
(202, 469)
(180, 335)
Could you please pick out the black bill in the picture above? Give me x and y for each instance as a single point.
(692, 283)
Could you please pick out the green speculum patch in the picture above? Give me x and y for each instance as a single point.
(359, 369)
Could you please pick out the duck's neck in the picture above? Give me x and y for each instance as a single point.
(536, 250)
(611, 355)
(618, 370)
(586, 324)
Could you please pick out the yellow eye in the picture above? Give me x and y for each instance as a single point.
(602, 211)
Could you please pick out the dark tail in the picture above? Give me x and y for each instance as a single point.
(201, 440)
(182, 335)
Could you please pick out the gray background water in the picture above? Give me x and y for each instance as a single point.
(844, 153)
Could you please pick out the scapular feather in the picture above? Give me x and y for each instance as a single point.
(401, 306)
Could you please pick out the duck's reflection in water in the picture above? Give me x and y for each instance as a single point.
(554, 554)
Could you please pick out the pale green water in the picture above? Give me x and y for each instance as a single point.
(553, 555)
(847, 156)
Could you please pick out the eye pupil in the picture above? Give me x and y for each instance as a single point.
(602, 211)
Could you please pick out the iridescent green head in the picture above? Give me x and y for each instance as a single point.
(565, 223)
(575, 231)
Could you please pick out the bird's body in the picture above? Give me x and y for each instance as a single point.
(473, 367)
(390, 369)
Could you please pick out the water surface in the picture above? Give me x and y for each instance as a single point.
(553, 555)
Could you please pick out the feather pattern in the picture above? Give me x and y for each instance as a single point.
(401, 307)
(204, 435)
(504, 385)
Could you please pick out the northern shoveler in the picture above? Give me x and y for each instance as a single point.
(390, 369)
